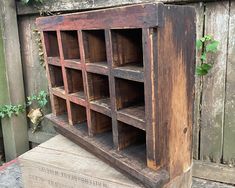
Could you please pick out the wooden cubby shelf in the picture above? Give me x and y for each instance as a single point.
(130, 102)
(70, 46)
(127, 54)
(60, 107)
(98, 89)
(132, 142)
(51, 44)
(95, 51)
(78, 114)
(121, 83)
(75, 83)
(101, 126)
(56, 80)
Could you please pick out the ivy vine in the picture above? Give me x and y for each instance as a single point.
(208, 45)
(8, 110)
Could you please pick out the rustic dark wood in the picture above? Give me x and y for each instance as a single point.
(78, 113)
(103, 147)
(94, 46)
(70, 45)
(175, 57)
(130, 84)
(54, 61)
(137, 16)
(74, 64)
(214, 172)
(99, 68)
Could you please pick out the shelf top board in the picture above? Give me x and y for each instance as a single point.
(133, 16)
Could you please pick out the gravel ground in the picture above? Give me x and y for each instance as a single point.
(10, 177)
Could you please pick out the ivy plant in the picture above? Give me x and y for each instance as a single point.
(40, 99)
(208, 45)
(9, 110)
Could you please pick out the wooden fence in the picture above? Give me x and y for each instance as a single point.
(214, 119)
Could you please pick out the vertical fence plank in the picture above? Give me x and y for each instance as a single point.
(229, 123)
(212, 114)
(34, 73)
(15, 128)
(199, 8)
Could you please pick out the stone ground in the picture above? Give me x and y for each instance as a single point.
(10, 177)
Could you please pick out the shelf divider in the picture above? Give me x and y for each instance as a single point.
(85, 81)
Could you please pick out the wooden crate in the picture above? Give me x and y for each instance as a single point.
(121, 84)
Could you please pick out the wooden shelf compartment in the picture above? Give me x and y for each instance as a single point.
(75, 84)
(127, 49)
(51, 44)
(56, 80)
(98, 91)
(70, 46)
(59, 107)
(132, 142)
(130, 102)
(101, 128)
(78, 113)
(94, 47)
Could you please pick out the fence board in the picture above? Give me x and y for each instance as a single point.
(216, 23)
(14, 129)
(229, 124)
(199, 8)
(71, 5)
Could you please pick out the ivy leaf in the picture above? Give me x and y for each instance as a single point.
(199, 44)
(9, 113)
(212, 47)
(206, 66)
(2, 115)
(200, 71)
(203, 57)
(208, 37)
(203, 69)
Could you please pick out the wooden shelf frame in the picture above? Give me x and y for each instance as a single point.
(125, 84)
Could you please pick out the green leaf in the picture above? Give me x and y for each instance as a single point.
(212, 47)
(2, 115)
(206, 66)
(208, 37)
(203, 57)
(199, 44)
(200, 71)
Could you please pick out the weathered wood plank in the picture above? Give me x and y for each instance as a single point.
(214, 172)
(39, 136)
(229, 122)
(77, 168)
(34, 73)
(72, 5)
(199, 8)
(137, 16)
(175, 89)
(15, 128)
(216, 24)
